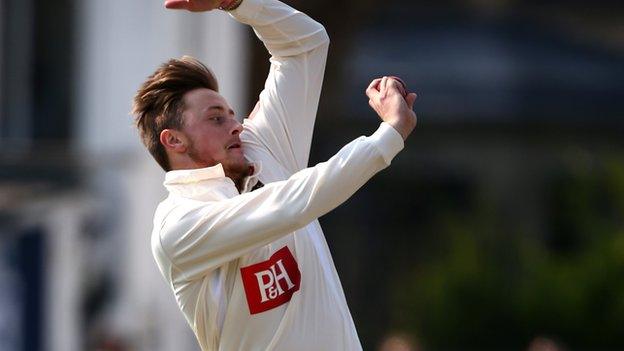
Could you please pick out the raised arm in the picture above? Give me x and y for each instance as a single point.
(283, 120)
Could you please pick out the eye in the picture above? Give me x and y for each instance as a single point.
(217, 119)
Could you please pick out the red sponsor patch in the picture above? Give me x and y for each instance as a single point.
(271, 283)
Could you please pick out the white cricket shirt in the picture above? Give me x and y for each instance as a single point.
(252, 271)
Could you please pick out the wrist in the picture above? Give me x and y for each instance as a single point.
(403, 126)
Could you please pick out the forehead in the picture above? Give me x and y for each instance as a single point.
(201, 100)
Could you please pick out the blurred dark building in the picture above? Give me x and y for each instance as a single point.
(521, 115)
(36, 74)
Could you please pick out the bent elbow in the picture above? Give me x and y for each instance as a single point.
(324, 35)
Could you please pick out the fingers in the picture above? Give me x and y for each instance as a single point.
(177, 4)
(396, 83)
(380, 87)
(392, 84)
(374, 84)
(383, 87)
(373, 88)
(400, 81)
(226, 3)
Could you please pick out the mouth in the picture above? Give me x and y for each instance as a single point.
(234, 146)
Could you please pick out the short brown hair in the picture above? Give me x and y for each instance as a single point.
(159, 103)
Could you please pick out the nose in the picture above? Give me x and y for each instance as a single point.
(237, 128)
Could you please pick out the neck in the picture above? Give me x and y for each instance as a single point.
(238, 176)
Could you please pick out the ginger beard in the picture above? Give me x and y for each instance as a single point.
(235, 167)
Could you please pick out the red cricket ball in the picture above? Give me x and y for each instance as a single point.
(403, 85)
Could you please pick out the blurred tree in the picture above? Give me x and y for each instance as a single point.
(489, 286)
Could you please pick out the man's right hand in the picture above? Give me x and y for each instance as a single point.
(194, 5)
(386, 98)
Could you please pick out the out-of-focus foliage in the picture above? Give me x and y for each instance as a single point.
(492, 286)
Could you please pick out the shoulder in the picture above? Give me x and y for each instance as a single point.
(174, 210)
(176, 215)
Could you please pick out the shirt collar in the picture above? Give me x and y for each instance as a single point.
(186, 176)
(251, 181)
(211, 178)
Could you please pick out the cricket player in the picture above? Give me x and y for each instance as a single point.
(237, 239)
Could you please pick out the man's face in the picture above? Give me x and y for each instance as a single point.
(213, 133)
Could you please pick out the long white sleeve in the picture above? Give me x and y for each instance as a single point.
(198, 236)
(287, 107)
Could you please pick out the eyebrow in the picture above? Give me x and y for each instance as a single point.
(220, 109)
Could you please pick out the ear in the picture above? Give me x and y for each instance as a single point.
(173, 140)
